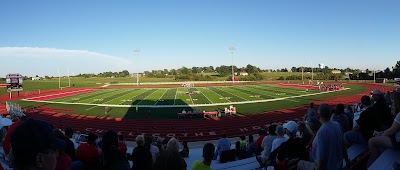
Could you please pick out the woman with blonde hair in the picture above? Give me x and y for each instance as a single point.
(389, 138)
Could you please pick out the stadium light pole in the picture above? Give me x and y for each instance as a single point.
(137, 51)
(232, 50)
(59, 79)
(69, 79)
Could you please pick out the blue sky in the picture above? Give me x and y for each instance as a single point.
(38, 37)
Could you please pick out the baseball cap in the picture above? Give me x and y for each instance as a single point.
(324, 110)
(377, 92)
(34, 136)
(313, 121)
(291, 126)
(4, 122)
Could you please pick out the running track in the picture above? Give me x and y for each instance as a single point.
(186, 129)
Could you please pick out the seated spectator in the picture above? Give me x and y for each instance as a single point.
(341, 118)
(294, 149)
(122, 149)
(389, 138)
(350, 115)
(171, 159)
(267, 144)
(240, 153)
(141, 155)
(155, 152)
(305, 134)
(381, 108)
(310, 112)
(314, 125)
(10, 130)
(259, 148)
(243, 143)
(185, 151)
(251, 146)
(4, 124)
(34, 146)
(63, 160)
(111, 154)
(280, 138)
(364, 128)
(208, 154)
(327, 150)
(88, 154)
(70, 149)
(223, 145)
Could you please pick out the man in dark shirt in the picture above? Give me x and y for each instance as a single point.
(70, 149)
(294, 148)
(384, 118)
(365, 125)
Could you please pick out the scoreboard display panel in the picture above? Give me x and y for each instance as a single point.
(14, 82)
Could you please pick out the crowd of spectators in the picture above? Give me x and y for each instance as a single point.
(319, 141)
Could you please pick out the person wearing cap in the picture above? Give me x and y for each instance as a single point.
(280, 132)
(110, 153)
(381, 108)
(34, 146)
(223, 145)
(365, 126)
(293, 149)
(327, 149)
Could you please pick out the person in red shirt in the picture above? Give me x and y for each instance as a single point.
(259, 149)
(7, 139)
(122, 149)
(88, 153)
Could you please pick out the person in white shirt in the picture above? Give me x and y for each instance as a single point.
(280, 139)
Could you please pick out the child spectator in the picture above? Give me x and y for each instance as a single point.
(185, 151)
(208, 154)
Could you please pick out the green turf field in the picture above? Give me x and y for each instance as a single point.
(185, 96)
(215, 98)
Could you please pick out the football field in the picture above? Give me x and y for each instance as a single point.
(178, 97)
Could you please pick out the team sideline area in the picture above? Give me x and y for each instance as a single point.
(341, 132)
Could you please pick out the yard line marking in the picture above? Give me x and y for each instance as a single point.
(204, 95)
(190, 95)
(161, 96)
(192, 105)
(146, 97)
(134, 96)
(91, 108)
(262, 92)
(176, 92)
(220, 95)
(247, 93)
(233, 94)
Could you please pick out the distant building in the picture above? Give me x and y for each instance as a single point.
(136, 74)
(336, 72)
(36, 78)
(243, 73)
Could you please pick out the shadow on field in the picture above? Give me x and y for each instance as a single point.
(144, 109)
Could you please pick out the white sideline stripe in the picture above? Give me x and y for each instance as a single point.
(32, 98)
(190, 105)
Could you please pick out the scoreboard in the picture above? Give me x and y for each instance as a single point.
(14, 82)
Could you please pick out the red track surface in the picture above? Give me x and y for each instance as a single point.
(184, 129)
(60, 95)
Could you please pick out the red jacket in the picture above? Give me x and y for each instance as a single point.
(7, 139)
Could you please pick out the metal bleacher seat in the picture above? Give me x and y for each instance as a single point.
(386, 159)
(356, 151)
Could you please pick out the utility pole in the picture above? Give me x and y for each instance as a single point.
(59, 79)
(69, 79)
(232, 50)
(137, 51)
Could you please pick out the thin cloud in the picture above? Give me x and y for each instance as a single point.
(46, 61)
